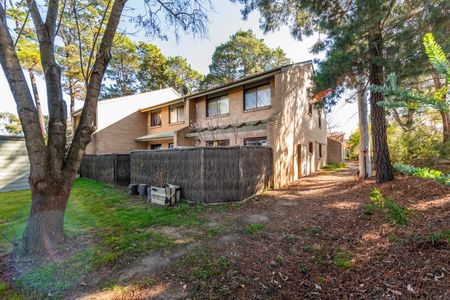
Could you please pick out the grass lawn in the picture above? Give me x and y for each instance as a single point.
(334, 166)
(105, 226)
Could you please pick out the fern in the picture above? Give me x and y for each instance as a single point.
(436, 56)
(396, 97)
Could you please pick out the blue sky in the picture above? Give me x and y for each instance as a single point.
(224, 21)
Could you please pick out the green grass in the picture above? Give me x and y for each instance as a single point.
(113, 225)
(254, 228)
(342, 260)
(8, 292)
(334, 166)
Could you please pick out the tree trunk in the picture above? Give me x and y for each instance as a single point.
(37, 101)
(445, 127)
(44, 231)
(365, 166)
(382, 161)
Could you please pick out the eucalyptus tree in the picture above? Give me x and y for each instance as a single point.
(243, 55)
(370, 35)
(52, 170)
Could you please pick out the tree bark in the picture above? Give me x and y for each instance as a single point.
(382, 161)
(44, 231)
(365, 165)
(51, 173)
(37, 102)
(445, 127)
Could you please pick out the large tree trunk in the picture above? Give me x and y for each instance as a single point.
(382, 161)
(51, 172)
(37, 101)
(365, 166)
(44, 231)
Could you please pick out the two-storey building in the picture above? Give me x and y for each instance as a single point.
(273, 109)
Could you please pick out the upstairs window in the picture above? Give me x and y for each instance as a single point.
(257, 97)
(218, 143)
(262, 141)
(218, 106)
(155, 118)
(176, 114)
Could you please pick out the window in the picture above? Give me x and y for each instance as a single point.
(217, 106)
(310, 108)
(176, 114)
(155, 146)
(262, 141)
(320, 150)
(171, 145)
(156, 118)
(257, 97)
(320, 118)
(218, 143)
(311, 148)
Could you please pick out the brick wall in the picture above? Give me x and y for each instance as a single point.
(293, 128)
(120, 136)
(335, 152)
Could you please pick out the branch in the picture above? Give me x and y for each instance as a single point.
(22, 28)
(22, 96)
(79, 43)
(85, 127)
(97, 34)
(52, 18)
(60, 17)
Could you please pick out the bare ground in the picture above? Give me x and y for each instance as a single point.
(310, 240)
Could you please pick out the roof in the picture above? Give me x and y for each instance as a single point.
(239, 82)
(337, 136)
(156, 136)
(142, 100)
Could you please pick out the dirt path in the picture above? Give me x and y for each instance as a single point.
(312, 239)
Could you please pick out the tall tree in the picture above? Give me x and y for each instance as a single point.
(243, 55)
(122, 69)
(180, 75)
(52, 171)
(374, 34)
(436, 98)
(152, 67)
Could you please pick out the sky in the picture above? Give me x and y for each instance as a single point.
(225, 20)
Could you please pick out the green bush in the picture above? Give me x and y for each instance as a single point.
(395, 213)
(421, 143)
(423, 173)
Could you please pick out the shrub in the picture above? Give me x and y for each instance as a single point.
(423, 173)
(395, 213)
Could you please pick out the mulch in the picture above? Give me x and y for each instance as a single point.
(312, 223)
